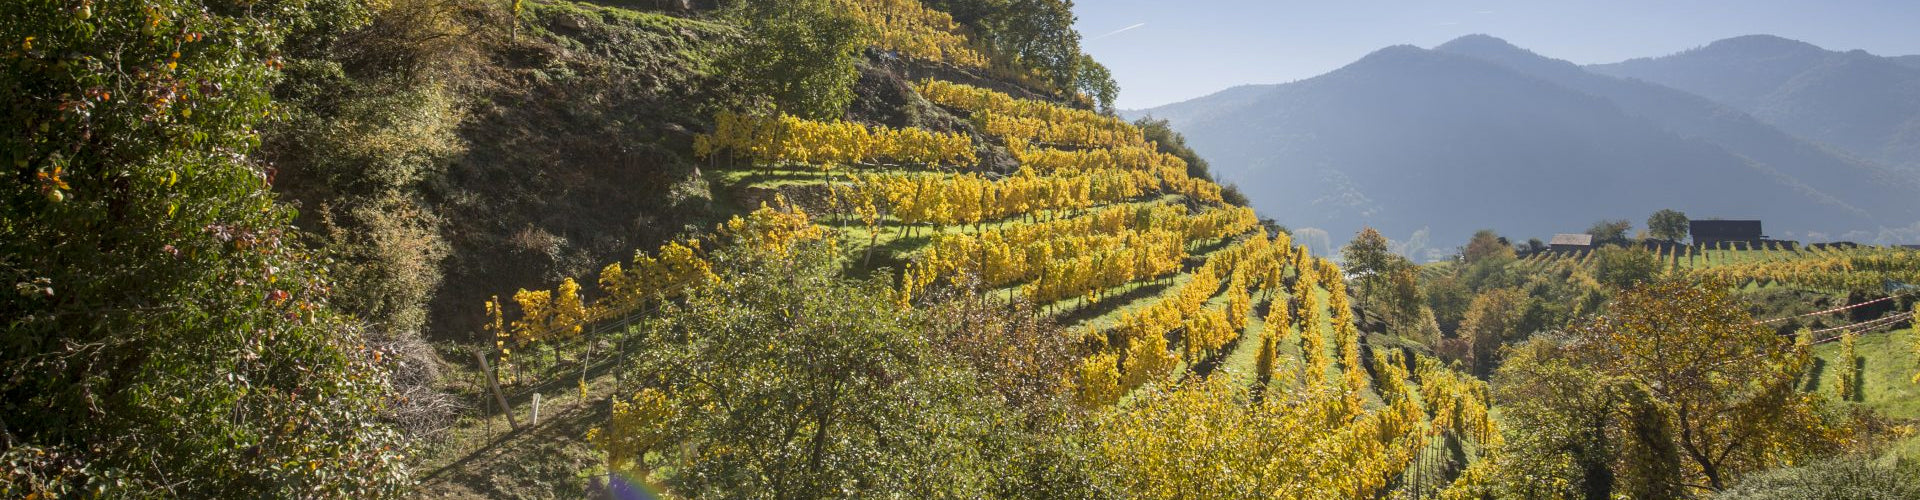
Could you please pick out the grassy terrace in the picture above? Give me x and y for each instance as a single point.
(1887, 366)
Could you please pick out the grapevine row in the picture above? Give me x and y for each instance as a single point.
(786, 140)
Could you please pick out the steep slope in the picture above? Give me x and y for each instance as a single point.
(1866, 104)
(1829, 176)
(1406, 139)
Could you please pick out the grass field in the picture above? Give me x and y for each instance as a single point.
(1887, 367)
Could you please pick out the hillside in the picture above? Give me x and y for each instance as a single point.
(1860, 102)
(778, 249)
(1394, 140)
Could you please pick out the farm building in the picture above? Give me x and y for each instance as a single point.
(1571, 242)
(1715, 233)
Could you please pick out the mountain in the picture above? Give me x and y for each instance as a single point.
(1479, 134)
(1829, 176)
(1908, 61)
(1866, 104)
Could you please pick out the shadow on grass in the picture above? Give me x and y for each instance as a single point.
(1113, 302)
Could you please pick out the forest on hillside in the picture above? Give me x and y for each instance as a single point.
(813, 249)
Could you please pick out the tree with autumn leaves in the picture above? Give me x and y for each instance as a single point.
(1674, 391)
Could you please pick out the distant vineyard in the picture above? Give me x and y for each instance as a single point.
(1824, 268)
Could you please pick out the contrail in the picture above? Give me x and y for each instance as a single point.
(1118, 31)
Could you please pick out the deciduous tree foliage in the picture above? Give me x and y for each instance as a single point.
(797, 53)
(1368, 256)
(1675, 368)
(1625, 267)
(165, 333)
(1610, 232)
(1492, 320)
(784, 381)
(1668, 224)
(1484, 245)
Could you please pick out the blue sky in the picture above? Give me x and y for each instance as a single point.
(1165, 51)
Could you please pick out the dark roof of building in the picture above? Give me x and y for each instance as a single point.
(1725, 228)
(1573, 239)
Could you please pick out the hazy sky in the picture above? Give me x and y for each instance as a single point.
(1165, 51)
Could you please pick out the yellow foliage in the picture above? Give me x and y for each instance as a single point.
(919, 32)
(637, 426)
(1209, 439)
(1098, 384)
(786, 140)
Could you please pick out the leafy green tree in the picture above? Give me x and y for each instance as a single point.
(1625, 267)
(791, 382)
(1610, 232)
(167, 334)
(1369, 256)
(801, 54)
(1036, 35)
(1668, 225)
(1094, 81)
(1449, 297)
(1558, 418)
(1534, 245)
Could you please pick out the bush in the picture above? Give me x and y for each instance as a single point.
(798, 53)
(167, 335)
(1835, 479)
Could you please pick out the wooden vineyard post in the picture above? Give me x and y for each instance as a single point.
(493, 381)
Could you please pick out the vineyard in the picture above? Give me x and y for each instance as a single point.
(1827, 268)
(818, 249)
(1170, 290)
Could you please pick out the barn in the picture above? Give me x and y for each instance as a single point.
(1716, 233)
(1571, 242)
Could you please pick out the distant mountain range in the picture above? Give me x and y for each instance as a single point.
(1430, 145)
(1866, 104)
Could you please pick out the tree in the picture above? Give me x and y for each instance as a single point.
(1094, 81)
(1668, 224)
(1484, 245)
(1610, 232)
(1625, 267)
(1534, 245)
(1492, 320)
(1168, 141)
(798, 53)
(1368, 256)
(787, 381)
(1559, 422)
(1725, 383)
(168, 334)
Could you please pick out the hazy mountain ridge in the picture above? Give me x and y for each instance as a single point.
(1866, 104)
(1830, 176)
(1392, 140)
